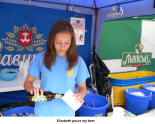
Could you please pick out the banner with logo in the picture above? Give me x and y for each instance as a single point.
(22, 39)
(24, 31)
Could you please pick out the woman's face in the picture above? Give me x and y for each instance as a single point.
(62, 42)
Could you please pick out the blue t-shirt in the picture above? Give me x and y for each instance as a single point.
(58, 80)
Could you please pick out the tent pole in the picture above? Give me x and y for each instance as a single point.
(96, 16)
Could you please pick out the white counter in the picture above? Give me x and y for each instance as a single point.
(16, 84)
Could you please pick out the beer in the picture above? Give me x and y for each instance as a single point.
(47, 96)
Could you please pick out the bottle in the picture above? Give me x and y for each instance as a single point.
(47, 96)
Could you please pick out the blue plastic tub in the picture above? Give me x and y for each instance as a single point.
(152, 100)
(8, 74)
(137, 104)
(20, 111)
(96, 105)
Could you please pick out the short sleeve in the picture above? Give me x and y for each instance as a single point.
(34, 69)
(83, 73)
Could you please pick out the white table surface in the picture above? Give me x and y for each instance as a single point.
(16, 84)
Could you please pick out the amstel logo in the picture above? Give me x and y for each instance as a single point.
(24, 38)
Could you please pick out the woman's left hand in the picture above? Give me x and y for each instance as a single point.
(78, 97)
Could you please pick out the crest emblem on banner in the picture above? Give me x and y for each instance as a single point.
(24, 38)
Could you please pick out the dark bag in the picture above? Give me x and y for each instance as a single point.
(100, 66)
(103, 84)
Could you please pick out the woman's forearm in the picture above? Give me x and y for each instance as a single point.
(28, 86)
(82, 89)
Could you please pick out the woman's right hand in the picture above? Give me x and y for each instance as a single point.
(36, 91)
(28, 85)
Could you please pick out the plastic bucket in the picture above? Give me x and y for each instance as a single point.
(20, 111)
(137, 104)
(8, 74)
(152, 100)
(96, 105)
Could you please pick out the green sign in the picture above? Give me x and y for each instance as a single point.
(135, 60)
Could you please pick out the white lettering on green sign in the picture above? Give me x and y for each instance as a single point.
(129, 59)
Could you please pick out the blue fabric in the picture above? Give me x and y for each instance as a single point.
(89, 3)
(58, 80)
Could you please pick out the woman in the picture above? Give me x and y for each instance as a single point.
(60, 68)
